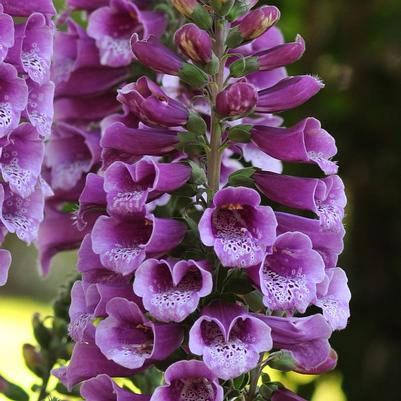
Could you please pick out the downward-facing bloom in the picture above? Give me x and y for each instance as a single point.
(124, 245)
(229, 339)
(325, 197)
(239, 229)
(171, 290)
(288, 277)
(6, 33)
(151, 105)
(112, 27)
(22, 8)
(103, 388)
(189, 381)
(139, 340)
(305, 142)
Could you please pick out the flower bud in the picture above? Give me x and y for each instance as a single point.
(33, 359)
(222, 7)
(193, 10)
(237, 99)
(253, 25)
(40, 331)
(240, 7)
(195, 43)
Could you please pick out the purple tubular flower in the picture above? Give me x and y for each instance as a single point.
(124, 245)
(21, 160)
(189, 381)
(70, 153)
(13, 98)
(5, 262)
(237, 99)
(305, 338)
(288, 277)
(286, 395)
(130, 187)
(88, 5)
(171, 290)
(195, 43)
(102, 388)
(333, 297)
(112, 26)
(6, 33)
(238, 227)
(130, 340)
(22, 8)
(151, 105)
(230, 339)
(305, 142)
(328, 243)
(21, 216)
(136, 141)
(325, 197)
(289, 93)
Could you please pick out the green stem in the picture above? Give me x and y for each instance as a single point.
(43, 388)
(217, 85)
(253, 385)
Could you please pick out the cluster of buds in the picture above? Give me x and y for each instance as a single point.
(186, 269)
(26, 114)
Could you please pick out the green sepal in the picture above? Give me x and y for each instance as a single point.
(241, 381)
(240, 133)
(41, 333)
(244, 66)
(148, 380)
(255, 301)
(196, 124)
(202, 18)
(234, 37)
(198, 176)
(242, 178)
(222, 7)
(240, 7)
(193, 75)
(213, 66)
(282, 360)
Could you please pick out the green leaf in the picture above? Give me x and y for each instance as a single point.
(241, 381)
(255, 301)
(148, 380)
(242, 177)
(240, 133)
(12, 391)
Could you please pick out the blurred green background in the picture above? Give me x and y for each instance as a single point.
(355, 47)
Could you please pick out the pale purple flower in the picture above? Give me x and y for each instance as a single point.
(6, 33)
(325, 197)
(103, 388)
(239, 229)
(289, 276)
(333, 297)
(229, 339)
(171, 290)
(189, 381)
(130, 340)
(124, 245)
(304, 142)
(22, 8)
(5, 262)
(286, 395)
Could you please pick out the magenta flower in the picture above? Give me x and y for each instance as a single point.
(189, 381)
(6, 33)
(151, 105)
(171, 290)
(305, 142)
(325, 197)
(229, 339)
(124, 245)
(22, 8)
(239, 229)
(286, 395)
(288, 277)
(102, 388)
(138, 340)
(87, 4)
(112, 27)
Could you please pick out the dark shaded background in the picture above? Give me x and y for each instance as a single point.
(355, 47)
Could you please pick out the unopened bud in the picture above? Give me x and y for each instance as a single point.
(195, 11)
(33, 359)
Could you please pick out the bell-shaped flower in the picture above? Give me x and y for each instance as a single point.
(305, 142)
(70, 153)
(112, 26)
(189, 381)
(139, 341)
(239, 229)
(130, 187)
(103, 388)
(325, 197)
(13, 98)
(6, 33)
(229, 339)
(289, 93)
(21, 216)
(328, 243)
(124, 245)
(5, 262)
(151, 105)
(304, 338)
(171, 290)
(21, 160)
(23, 8)
(333, 298)
(289, 276)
